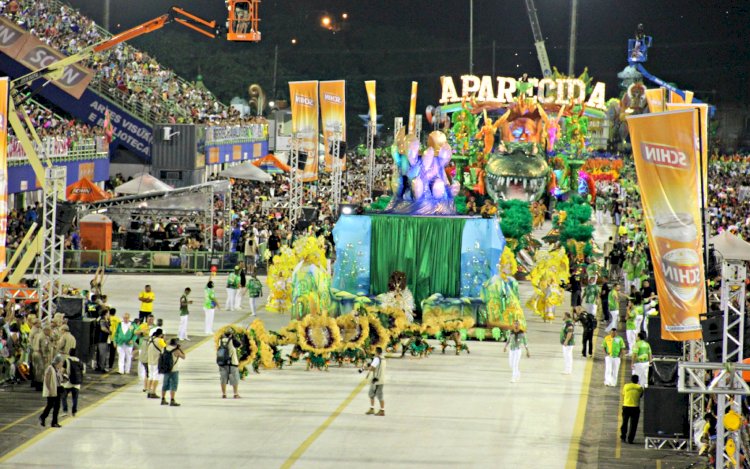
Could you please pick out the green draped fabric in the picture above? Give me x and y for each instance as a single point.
(427, 249)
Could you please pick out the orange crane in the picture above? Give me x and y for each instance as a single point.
(242, 20)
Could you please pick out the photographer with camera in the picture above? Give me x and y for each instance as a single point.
(377, 368)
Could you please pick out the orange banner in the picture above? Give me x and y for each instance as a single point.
(305, 109)
(676, 98)
(4, 89)
(333, 115)
(370, 87)
(701, 121)
(667, 166)
(655, 98)
(34, 54)
(412, 108)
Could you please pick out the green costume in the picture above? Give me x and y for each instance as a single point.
(566, 329)
(209, 296)
(642, 351)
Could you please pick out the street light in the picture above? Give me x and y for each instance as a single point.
(326, 22)
(294, 40)
(345, 16)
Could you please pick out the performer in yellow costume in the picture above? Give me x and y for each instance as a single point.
(550, 272)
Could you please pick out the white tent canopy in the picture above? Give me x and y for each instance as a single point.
(731, 247)
(247, 171)
(143, 184)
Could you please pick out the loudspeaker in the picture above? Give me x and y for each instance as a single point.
(665, 413)
(134, 240)
(659, 347)
(70, 306)
(713, 328)
(342, 148)
(66, 215)
(309, 214)
(664, 373)
(84, 330)
(713, 349)
(302, 160)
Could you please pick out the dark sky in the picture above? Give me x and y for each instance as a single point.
(699, 44)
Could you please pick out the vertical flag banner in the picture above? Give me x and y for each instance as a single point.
(702, 122)
(676, 98)
(333, 115)
(412, 108)
(666, 163)
(4, 89)
(655, 98)
(370, 87)
(305, 109)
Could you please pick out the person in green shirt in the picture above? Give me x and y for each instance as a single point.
(516, 340)
(642, 358)
(631, 410)
(124, 340)
(614, 348)
(254, 289)
(630, 326)
(567, 340)
(591, 295)
(601, 202)
(184, 313)
(209, 307)
(613, 300)
(233, 283)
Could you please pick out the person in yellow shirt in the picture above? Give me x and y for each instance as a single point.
(147, 303)
(631, 410)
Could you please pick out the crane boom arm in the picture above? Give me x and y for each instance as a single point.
(541, 49)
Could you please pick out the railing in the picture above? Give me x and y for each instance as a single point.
(149, 261)
(146, 112)
(216, 135)
(58, 147)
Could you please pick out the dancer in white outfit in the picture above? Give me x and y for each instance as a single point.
(516, 340)
(209, 307)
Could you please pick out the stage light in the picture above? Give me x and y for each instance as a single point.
(345, 16)
(326, 21)
(271, 104)
(294, 41)
(347, 210)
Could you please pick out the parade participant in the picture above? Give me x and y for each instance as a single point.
(124, 340)
(399, 296)
(254, 289)
(209, 307)
(143, 333)
(630, 330)
(642, 359)
(567, 340)
(614, 348)
(182, 333)
(631, 411)
(516, 340)
(233, 283)
(589, 323)
(591, 296)
(146, 297)
(614, 306)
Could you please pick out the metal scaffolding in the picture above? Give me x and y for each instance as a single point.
(49, 264)
(295, 183)
(398, 122)
(371, 131)
(418, 127)
(336, 168)
(726, 380)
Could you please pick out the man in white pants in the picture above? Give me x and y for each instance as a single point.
(614, 306)
(642, 359)
(124, 339)
(182, 333)
(614, 347)
(209, 307)
(516, 340)
(567, 341)
(233, 284)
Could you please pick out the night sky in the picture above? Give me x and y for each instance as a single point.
(698, 44)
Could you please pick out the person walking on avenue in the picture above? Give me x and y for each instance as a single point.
(642, 359)
(72, 380)
(182, 333)
(604, 300)
(630, 331)
(144, 333)
(377, 370)
(226, 358)
(209, 307)
(156, 346)
(614, 306)
(516, 340)
(233, 283)
(51, 389)
(591, 296)
(567, 340)
(254, 289)
(242, 279)
(169, 367)
(631, 410)
(125, 340)
(614, 348)
(102, 344)
(589, 323)
(147, 303)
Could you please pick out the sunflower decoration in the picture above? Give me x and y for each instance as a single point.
(318, 334)
(455, 330)
(260, 331)
(287, 335)
(280, 281)
(378, 335)
(394, 320)
(355, 331)
(266, 356)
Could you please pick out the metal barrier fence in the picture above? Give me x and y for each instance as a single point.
(149, 261)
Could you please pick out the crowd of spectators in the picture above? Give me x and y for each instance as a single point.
(139, 78)
(729, 196)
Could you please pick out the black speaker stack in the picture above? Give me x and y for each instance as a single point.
(665, 413)
(84, 330)
(70, 306)
(659, 346)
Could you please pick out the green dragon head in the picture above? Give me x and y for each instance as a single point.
(517, 174)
